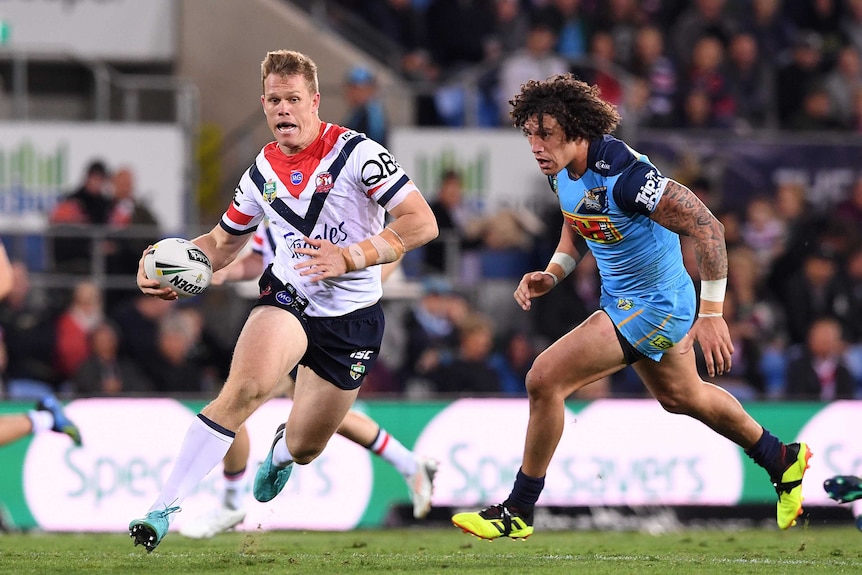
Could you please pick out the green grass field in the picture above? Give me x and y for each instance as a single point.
(801, 550)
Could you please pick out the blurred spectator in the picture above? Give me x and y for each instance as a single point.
(88, 205)
(651, 63)
(744, 379)
(512, 362)
(510, 27)
(573, 28)
(763, 230)
(431, 326)
(601, 69)
(104, 372)
(851, 23)
(811, 293)
(126, 244)
(775, 33)
(751, 301)
(366, 113)
(697, 111)
(751, 82)
(620, 19)
(128, 210)
(138, 321)
(816, 113)
(29, 336)
(803, 225)
(458, 223)
(817, 371)
(402, 24)
(795, 78)
(178, 335)
(850, 208)
(823, 17)
(73, 329)
(702, 18)
(459, 32)
(706, 74)
(841, 84)
(759, 318)
(470, 371)
(536, 61)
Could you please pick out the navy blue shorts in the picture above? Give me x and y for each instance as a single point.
(341, 350)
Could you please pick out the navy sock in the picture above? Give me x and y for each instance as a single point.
(768, 453)
(526, 492)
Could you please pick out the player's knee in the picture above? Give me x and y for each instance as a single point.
(538, 381)
(304, 453)
(674, 403)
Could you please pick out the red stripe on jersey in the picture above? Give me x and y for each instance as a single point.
(305, 162)
(237, 217)
(371, 191)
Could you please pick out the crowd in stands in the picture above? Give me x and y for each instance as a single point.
(718, 64)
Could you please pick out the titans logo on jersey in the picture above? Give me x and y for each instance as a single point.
(595, 199)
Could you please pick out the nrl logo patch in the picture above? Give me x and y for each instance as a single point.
(595, 199)
(357, 370)
(625, 304)
(269, 192)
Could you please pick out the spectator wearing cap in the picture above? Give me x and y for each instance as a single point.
(87, 205)
(366, 113)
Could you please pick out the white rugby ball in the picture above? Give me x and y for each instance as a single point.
(180, 265)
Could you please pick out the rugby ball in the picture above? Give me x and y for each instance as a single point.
(180, 265)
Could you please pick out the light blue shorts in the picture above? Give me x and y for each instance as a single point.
(653, 323)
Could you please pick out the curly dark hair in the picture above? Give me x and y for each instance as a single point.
(576, 105)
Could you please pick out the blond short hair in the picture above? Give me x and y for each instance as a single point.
(290, 63)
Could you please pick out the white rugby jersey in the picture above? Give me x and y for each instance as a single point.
(337, 189)
(263, 243)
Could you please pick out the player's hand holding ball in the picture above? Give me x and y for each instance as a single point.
(174, 268)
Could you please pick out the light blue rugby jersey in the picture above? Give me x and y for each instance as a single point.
(609, 206)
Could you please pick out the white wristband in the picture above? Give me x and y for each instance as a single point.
(555, 278)
(565, 261)
(713, 290)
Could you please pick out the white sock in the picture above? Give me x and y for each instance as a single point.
(234, 489)
(203, 448)
(40, 420)
(393, 452)
(281, 457)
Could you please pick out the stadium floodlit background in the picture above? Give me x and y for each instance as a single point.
(170, 89)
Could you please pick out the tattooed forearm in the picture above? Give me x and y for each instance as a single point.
(680, 211)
